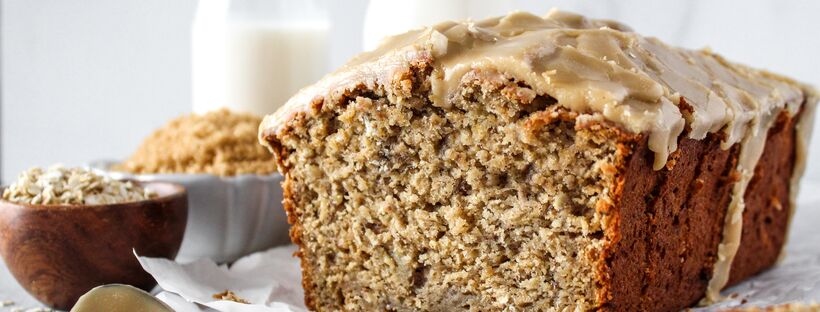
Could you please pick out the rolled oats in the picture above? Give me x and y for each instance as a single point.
(72, 186)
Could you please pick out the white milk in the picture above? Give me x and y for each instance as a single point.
(267, 64)
(253, 66)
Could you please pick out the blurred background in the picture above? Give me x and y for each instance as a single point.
(89, 79)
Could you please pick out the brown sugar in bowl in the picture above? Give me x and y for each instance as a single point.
(59, 252)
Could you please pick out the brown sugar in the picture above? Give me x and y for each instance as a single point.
(229, 296)
(221, 143)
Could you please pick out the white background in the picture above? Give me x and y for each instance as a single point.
(88, 79)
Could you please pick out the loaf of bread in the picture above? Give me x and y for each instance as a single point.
(552, 163)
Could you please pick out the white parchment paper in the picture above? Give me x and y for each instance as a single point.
(271, 280)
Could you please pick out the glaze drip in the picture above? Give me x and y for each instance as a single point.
(589, 66)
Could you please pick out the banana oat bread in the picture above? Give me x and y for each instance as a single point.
(537, 163)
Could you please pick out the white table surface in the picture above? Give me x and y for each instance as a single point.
(805, 230)
(10, 290)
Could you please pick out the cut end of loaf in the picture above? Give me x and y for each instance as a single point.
(500, 200)
(507, 199)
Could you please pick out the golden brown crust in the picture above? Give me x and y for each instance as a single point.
(765, 218)
(612, 224)
(296, 237)
(667, 230)
(640, 270)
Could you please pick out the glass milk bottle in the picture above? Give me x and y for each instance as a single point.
(252, 55)
(390, 17)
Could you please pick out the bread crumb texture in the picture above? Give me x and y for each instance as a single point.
(221, 143)
(486, 205)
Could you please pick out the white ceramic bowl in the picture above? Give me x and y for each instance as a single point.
(228, 217)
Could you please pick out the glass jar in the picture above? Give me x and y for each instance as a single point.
(252, 55)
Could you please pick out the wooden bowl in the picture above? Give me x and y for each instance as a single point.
(59, 252)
